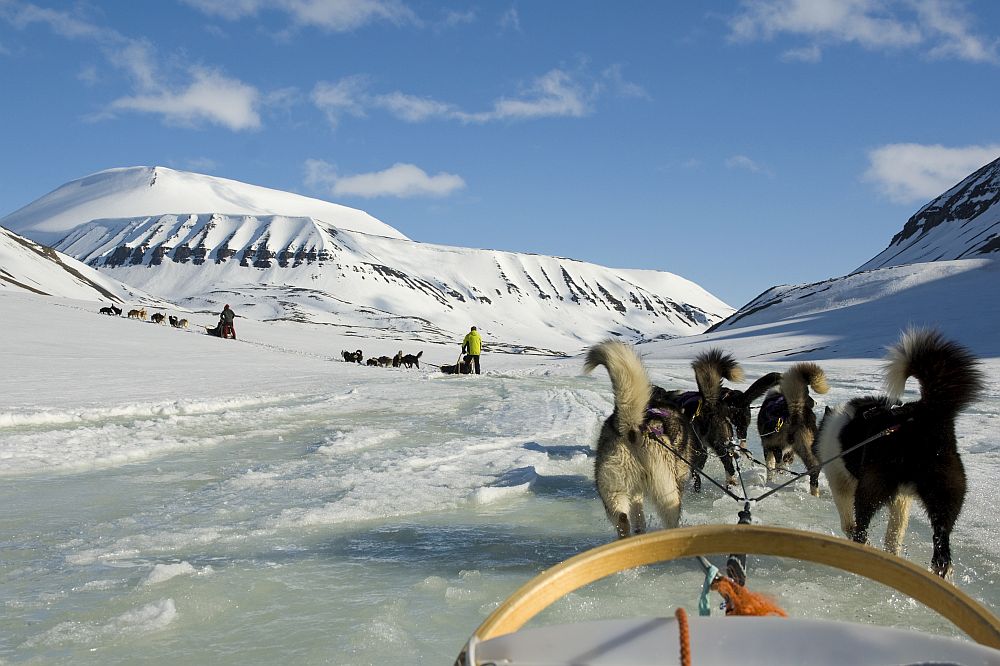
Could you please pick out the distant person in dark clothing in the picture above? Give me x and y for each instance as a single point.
(473, 346)
(226, 321)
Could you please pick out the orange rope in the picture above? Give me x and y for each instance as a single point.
(741, 601)
(682, 629)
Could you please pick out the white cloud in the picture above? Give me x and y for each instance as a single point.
(203, 95)
(746, 164)
(941, 28)
(61, 23)
(349, 95)
(806, 54)
(954, 26)
(414, 109)
(332, 15)
(211, 97)
(400, 180)
(455, 18)
(554, 94)
(320, 174)
(613, 79)
(88, 74)
(511, 20)
(911, 172)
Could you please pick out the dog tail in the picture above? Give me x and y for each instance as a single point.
(798, 379)
(420, 353)
(948, 373)
(710, 368)
(761, 386)
(628, 379)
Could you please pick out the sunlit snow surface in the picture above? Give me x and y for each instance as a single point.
(174, 498)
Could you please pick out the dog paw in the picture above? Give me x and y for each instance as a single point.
(814, 491)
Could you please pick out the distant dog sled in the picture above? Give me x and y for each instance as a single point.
(462, 368)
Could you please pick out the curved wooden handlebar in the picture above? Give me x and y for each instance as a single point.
(540, 592)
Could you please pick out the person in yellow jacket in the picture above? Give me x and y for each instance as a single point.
(472, 346)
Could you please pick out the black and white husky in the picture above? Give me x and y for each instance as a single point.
(631, 465)
(787, 424)
(919, 457)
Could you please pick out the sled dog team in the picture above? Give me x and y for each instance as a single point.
(399, 360)
(875, 451)
(156, 318)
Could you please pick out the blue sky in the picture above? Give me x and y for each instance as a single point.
(739, 144)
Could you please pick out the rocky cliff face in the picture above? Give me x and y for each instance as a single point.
(962, 223)
(302, 269)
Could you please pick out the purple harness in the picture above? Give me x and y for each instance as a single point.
(773, 413)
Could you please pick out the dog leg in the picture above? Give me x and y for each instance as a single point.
(771, 464)
(699, 459)
(668, 502)
(872, 492)
(899, 518)
(943, 498)
(727, 462)
(802, 445)
(638, 517)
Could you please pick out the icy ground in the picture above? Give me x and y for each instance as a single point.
(174, 498)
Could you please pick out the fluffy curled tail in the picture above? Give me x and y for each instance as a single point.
(628, 379)
(948, 374)
(798, 379)
(710, 368)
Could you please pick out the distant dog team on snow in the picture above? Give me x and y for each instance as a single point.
(875, 451)
(399, 360)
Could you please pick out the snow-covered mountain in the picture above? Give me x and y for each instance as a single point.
(364, 279)
(26, 266)
(859, 315)
(964, 222)
(152, 191)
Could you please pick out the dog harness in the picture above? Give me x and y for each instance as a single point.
(773, 414)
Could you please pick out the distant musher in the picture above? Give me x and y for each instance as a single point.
(473, 346)
(226, 322)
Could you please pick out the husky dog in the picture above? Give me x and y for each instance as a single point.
(397, 360)
(158, 318)
(631, 465)
(710, 420)
(111, 310)
(409, 360)
(920, 456)
(183, 323)
(738, 403)
(352, 357)
(795, 432)
(462, 368)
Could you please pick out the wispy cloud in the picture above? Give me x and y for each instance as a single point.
(348, 96)
(200, 164)
(812, 53)
(188, 95)
(940, 28)
(400, 181)
(456, 18)
(909, 172)
(555, 94)
(511, 20)
(330, 15)
(744, 163)
(210, 97)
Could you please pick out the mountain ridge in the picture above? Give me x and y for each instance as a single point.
(963, 222)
